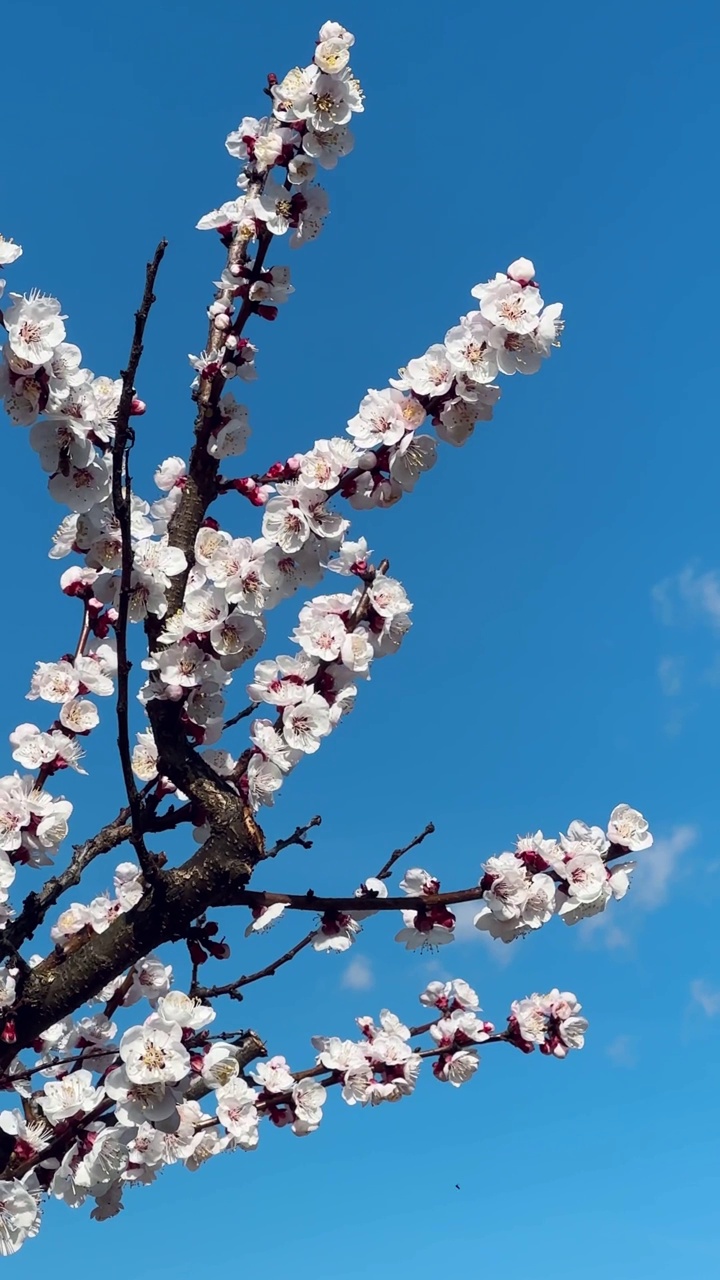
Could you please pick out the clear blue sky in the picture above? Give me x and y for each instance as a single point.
(564, 655)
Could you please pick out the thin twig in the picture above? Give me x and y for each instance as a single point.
(122, 500)
(384, 872)
(84, 631)
(297, 837)
(75, 1061)
(233, 988)
(241, 715)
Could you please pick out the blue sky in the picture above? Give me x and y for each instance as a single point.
(565, 569)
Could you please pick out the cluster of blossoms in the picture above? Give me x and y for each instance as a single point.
(41, 377)
(571, 877)
(99, 914)
(132, 1106)
(70, 412)
(33, 823)
(234, 580)
(114, 1108)
(308, 127)
(551, 1022)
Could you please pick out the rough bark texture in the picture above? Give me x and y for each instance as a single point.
(65, 980)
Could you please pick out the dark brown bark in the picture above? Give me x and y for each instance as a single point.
(212, 877)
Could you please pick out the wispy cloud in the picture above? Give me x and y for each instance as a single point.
(706, 996)
(359, 975)
(689, 595)
(465, 913)
(602, 931)
(655, 869)
(650, 888)
(670, 675)
(465, 931)
(622, 1051)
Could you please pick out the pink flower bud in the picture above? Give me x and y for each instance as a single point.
(137, 408)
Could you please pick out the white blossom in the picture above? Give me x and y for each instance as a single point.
(73, 1095)
(154, 1053)
(628, 827)
(18, 1216)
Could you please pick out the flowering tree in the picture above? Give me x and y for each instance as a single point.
(101, 1103)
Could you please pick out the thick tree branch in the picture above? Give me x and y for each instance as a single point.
(66, 979)
(115, 833)
(200, 488)
(365, 902)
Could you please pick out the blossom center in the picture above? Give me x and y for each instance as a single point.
(512, 308)
(153, 1058)
(30, 333)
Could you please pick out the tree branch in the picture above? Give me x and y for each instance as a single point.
(37, 905)
(232, 988)
(365, 902)
(64, 980)
(297, 837)
(122, 507)
(241, 715)
(84, 631)
(384, 872)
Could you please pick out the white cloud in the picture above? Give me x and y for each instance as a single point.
(602, 931)
(465, 913)
(359, 975)
(621, 1051)
(670, 672)
(655, 868)
(465, 931)
(706, 996)
(689, 593)
(649, 888)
